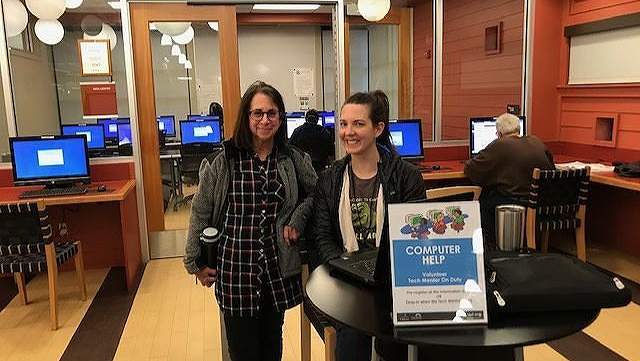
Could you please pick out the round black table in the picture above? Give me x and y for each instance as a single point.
(368, 310)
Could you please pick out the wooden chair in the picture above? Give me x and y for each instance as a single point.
(26, 247)
(456, 193)
(558, 200)
(310, 315)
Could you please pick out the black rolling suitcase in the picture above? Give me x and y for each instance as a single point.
(538, 282)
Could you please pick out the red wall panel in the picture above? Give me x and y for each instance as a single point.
(423, 66)
(567, 113)
(475, 83)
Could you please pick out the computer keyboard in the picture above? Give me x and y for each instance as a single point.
(52, 192)
(367, 265)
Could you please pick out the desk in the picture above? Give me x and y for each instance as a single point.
(92, 221)
(451, 169)
(455, 170)
(608, 178)
(361, 308)
(610, 211)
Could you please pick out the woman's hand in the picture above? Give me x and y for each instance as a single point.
(207, 276)
(290, 234)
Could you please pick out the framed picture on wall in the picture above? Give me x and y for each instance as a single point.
(94, 57)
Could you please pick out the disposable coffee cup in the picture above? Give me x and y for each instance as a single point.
(209, 247)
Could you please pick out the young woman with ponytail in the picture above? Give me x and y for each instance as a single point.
(351, 199)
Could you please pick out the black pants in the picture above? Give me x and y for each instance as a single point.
(352, 345)
(257, 338)
(489, 200)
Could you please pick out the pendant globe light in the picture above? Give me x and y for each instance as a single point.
(46, 9)
(49, 31)
(374, 10)
(16, 17)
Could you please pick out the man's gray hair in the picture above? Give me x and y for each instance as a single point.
(508, 124)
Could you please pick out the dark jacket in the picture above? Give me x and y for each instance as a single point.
(401, 182)
(316, 141)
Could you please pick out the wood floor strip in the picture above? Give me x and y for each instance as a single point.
(582, 347)
(98, 335)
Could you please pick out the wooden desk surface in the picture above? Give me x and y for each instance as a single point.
(455, 170)
(608, 178)
(116, 191)
(450, 169)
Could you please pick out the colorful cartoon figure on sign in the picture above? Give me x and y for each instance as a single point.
(417, 226)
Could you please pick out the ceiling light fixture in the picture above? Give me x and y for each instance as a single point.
(308, 7)
(165, 40)
(184, 38)
(115, 4)
(374, 10)
(73, 4)
(175, 50)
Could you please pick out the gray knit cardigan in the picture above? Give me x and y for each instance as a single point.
(207, 203)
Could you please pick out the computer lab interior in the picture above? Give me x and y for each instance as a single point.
(137, 130)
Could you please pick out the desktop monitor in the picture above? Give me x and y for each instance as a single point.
(124, 134)
(168, 124)
(206, 131)
(483, 131)
(328, 119)
(202, 117)
(406, 136)
(53, 160)
(93, 132)
(293, 122)
(111, 126)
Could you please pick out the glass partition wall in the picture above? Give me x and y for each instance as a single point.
(193, 57)
(186, 81)
(44, 65)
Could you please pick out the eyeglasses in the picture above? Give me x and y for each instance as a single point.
(258, 114)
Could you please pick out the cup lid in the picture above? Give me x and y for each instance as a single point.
(209, 232)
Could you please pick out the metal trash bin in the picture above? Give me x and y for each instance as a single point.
(510, 227)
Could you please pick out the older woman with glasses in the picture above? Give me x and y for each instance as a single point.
(258, 192)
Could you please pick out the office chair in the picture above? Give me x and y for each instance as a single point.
(452, 194)
(191, 155)
(162, 138)
(125, 149)
(26, 246)
(558, 200)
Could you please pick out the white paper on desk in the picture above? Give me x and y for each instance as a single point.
(595, 167)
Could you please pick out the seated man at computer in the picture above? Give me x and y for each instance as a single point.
(315, 140)
(504, 169)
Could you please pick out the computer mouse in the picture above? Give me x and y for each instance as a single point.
(102, 188)
(436, 167)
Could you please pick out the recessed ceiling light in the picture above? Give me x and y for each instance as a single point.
(115, 4)
(285, 6)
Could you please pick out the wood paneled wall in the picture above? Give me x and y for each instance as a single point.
(581, 106)
(567, 113)
(475, 83)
